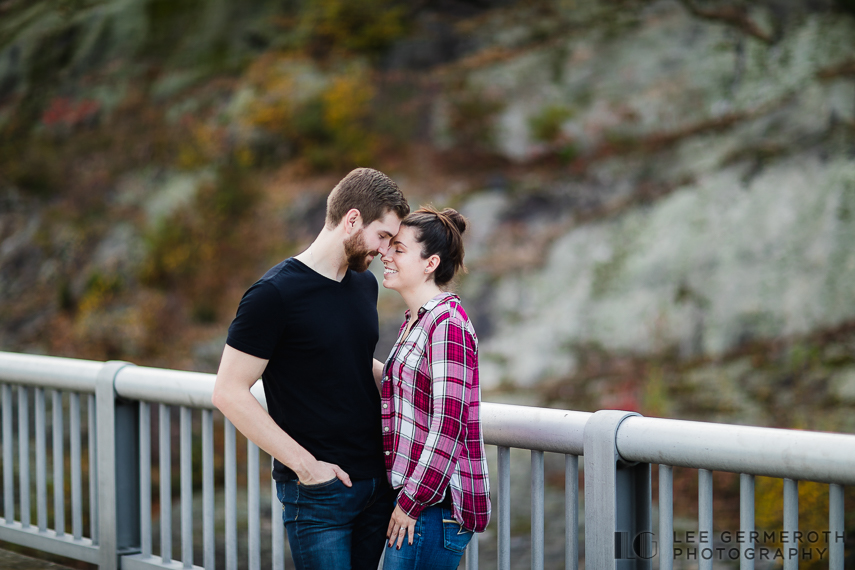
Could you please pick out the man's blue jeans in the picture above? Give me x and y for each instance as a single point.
(331, 526)
(438, 544)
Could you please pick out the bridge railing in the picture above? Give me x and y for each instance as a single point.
(102, 482)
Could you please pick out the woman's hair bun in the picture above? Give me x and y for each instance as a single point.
(456, 218)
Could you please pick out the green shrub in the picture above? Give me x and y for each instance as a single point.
(366, 27)
(35, 168)
(546, 125)
(327, 126)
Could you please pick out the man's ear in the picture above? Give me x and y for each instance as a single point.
(351, 218)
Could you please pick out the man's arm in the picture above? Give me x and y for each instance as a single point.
(237, 374)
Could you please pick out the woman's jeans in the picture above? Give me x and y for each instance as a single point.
(438, 543)
(333, 527)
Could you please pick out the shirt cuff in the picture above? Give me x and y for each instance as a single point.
(410, 507)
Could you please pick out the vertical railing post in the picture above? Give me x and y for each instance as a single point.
(705, 519)
(8, 476)
(145, 479)
(503, 508)
(791, 523)
(571, 512)
(836, 527)
(118, 470)
(618, 526)
(537, 510)
(746, 521)
(91, 441)
(208, 545)
(666, 517)
(24, 453)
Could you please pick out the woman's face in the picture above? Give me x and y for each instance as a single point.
(404, 268)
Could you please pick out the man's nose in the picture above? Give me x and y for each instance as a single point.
(383, 248)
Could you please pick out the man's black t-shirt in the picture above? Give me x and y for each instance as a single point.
(319, 337)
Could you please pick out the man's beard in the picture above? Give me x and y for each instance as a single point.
(356, 253)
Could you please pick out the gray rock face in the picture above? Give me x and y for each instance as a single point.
(844, 386)
(662, 70)
(753, 239)
(705, 269)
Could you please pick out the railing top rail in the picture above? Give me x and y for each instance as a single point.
(173, 387)
(527, 427)
(771, 452)
(811, 456)
(49, 371)
(159, 385)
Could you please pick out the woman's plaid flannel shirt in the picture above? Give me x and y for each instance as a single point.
(431, 422)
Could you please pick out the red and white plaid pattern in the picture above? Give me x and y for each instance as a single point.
(431, 423)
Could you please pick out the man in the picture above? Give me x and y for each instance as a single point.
(308, 328)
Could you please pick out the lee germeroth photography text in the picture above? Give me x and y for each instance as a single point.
(731, 545)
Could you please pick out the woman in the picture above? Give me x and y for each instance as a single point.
(430, 401)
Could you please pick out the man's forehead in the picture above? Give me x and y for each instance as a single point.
(388, 223)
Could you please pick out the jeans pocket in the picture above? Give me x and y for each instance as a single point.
(317, 486)
(454, 537)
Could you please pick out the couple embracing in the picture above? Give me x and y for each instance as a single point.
(366, 454)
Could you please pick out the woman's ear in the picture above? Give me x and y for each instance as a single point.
(432, 264)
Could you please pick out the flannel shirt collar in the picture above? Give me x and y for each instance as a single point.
(430, 305)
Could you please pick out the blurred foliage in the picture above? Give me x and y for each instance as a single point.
(169, 20)
(204, 145)
(100, 290)
(347, 109)
(34, 168)
(655, 399)
(546, 124)
(846, 5)
(567, 153)
(197, 249)
(114, 327)
(89, 99)
(366, 27)
(472, 119)
(329, 126)
(813, 516)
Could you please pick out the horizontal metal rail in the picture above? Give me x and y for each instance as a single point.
(770, 452)
(540, 429)
(49, 371)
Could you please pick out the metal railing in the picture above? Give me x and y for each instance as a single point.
(115, 467)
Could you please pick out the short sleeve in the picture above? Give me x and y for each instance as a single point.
(258, 325)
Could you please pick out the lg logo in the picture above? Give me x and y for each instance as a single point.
(641, 546)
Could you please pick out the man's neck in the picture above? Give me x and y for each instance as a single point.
(326, 255)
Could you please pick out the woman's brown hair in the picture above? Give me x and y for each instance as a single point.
(440, 233)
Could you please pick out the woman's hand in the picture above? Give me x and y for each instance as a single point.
(399, 525)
